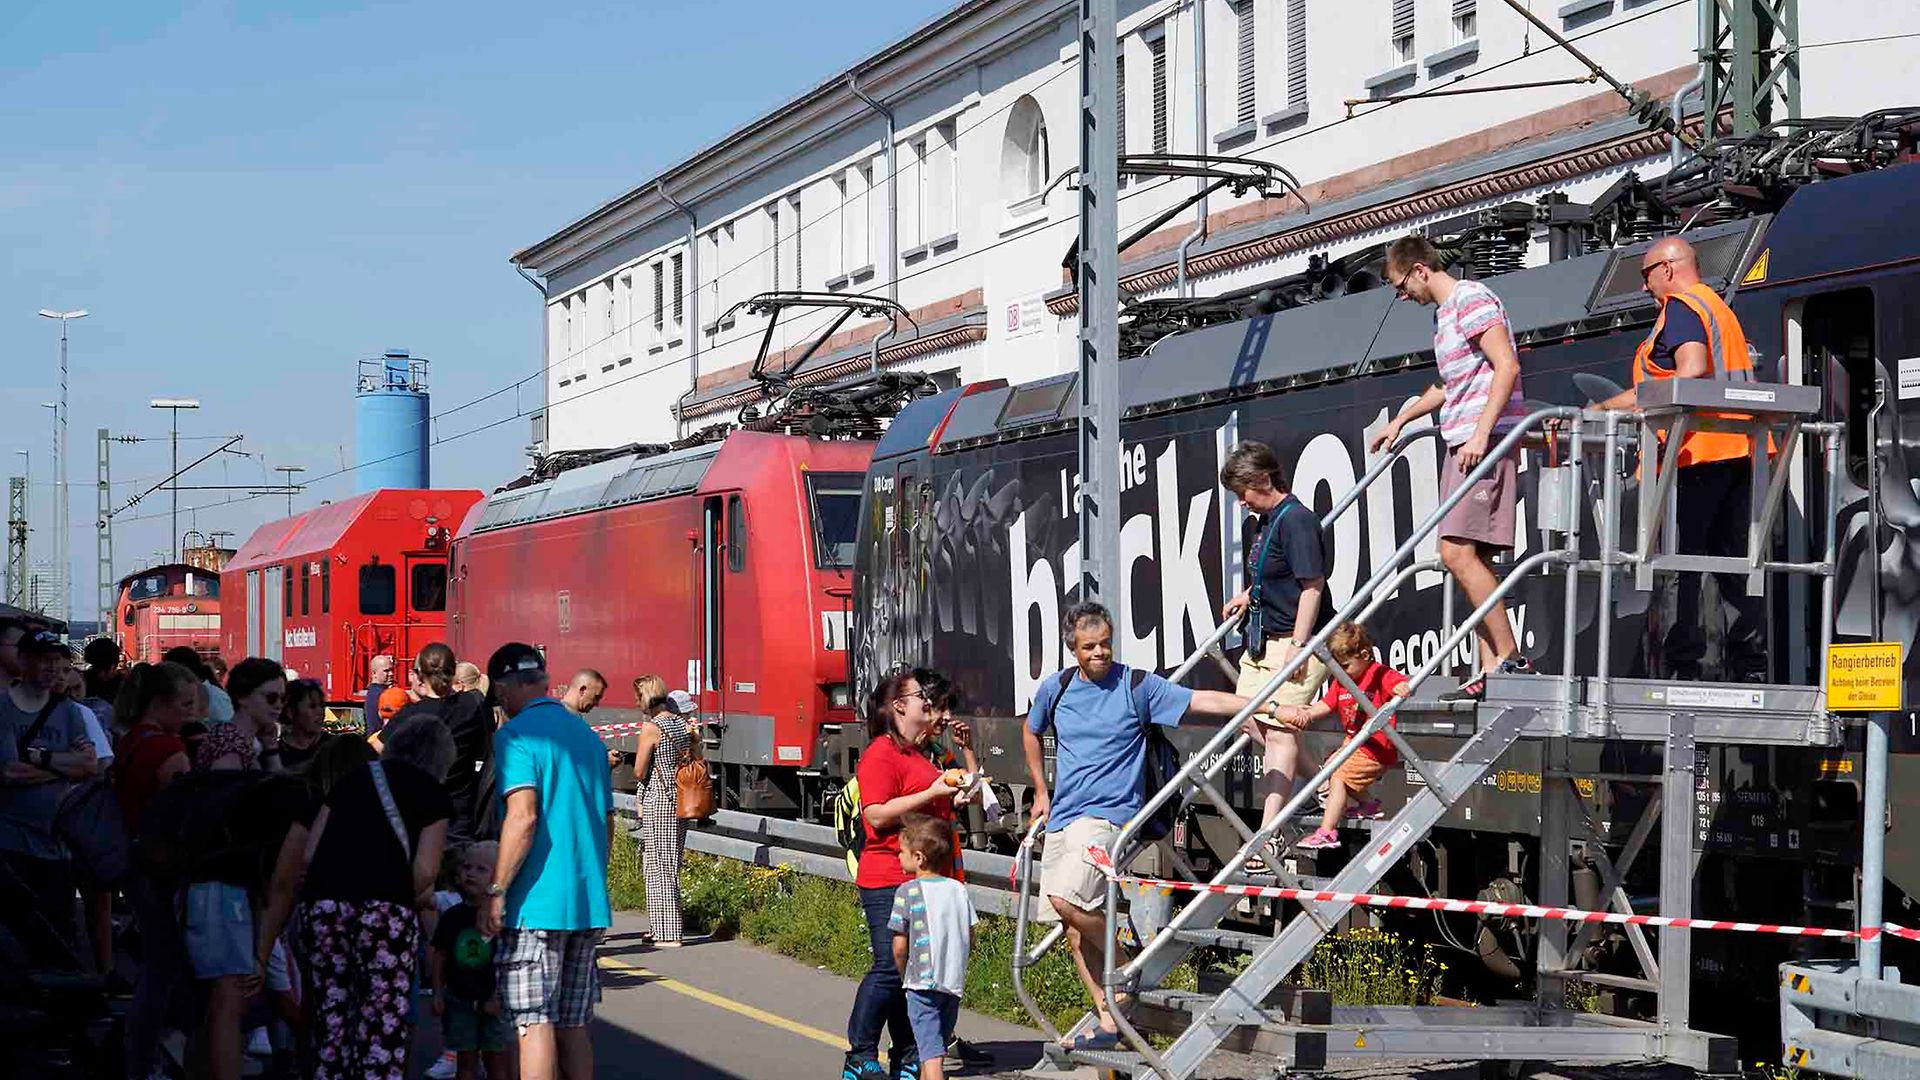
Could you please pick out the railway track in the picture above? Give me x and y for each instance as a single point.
(815, 850)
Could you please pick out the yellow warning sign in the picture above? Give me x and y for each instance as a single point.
(1864, 676)
(1757, 273)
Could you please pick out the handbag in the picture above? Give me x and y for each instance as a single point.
(693, 782)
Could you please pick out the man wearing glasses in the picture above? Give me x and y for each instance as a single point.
(1478, 399)
(1700, 338)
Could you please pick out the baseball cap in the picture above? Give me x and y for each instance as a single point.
(514, 658)
(682, 702)
(41, 643)
(392, 700)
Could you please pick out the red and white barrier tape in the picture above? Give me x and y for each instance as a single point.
(1101, 861)
(605, 730)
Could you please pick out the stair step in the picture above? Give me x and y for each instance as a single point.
(1121, 1061)
(1225, 939)
(1285, 1004)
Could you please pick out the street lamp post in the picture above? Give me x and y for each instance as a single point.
(286, 476)
(48, 606)
(60, 459)
(174, 405)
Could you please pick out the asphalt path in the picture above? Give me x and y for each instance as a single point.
(718, 1009)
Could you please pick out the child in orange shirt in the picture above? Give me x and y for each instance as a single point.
(1352, 649)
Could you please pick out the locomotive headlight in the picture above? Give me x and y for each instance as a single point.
(839, 696)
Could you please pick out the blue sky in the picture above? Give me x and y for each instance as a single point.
(252, 197)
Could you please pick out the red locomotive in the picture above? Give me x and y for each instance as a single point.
(327, 590)
(164, 607)
(725, 568)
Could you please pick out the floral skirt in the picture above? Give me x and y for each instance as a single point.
(359, 963)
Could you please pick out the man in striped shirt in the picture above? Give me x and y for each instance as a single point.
(1478, 399)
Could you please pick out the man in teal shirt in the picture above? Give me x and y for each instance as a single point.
(548, 901)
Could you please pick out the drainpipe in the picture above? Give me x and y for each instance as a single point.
(693, 301)
(1675, 110)
(893, 187)
(1200, 142)
(546, 351)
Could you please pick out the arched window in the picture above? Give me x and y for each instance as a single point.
(1023, 158)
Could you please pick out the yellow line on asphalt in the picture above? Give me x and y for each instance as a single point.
(717, 1001)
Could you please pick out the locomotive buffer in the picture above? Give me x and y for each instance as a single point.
(1299, 1031)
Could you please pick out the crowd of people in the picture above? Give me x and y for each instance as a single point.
(300, 896)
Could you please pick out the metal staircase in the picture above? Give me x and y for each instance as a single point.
(1301, 1033)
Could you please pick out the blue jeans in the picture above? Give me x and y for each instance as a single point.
(880, 1001)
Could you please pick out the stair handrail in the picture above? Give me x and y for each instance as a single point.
(1023, 859)
(1232, 740)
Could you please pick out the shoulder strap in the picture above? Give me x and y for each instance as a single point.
(1066, 680)
(393, 812)
(39, 722)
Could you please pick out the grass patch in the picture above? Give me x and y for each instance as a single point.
(1366, 966)
(819, 922)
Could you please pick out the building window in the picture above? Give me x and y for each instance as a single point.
(609, 326)
(1157, 48)
(935, 202)
(1296, 53)
(773, 228)
(1023, 155)
(1465, 21)
(679, 288)
(913, 195)
(1403, 31)
(659, 296)
(854, 217)
(623, 308)
(1243, 93)
(798, 232)
(566, 327)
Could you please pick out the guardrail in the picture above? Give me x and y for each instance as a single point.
(815, 850)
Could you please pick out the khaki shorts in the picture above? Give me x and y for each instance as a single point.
(1065, 871)
(1486, 515)
(1303, 689)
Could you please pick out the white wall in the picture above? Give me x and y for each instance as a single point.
(610, 382)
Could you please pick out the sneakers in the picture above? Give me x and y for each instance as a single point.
(962, 1054)
(1321, 840)
(446, 1068)
(1475, 689)
(1366, 811)
(905, 1070)
(863, 1069)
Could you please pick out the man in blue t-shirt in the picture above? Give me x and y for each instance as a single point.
(1098, 718)
(548, 901)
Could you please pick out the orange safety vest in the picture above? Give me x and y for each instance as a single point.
(1727, 349)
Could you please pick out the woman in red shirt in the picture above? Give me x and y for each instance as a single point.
(896, 778)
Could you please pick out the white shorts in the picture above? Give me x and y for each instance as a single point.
(1065, 871)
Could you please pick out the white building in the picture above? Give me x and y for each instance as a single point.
(958, 225)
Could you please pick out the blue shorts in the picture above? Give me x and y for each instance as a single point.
(932, 1014)
(219, 929)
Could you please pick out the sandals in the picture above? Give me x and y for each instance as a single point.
(1257, 864)
(1095, 1040)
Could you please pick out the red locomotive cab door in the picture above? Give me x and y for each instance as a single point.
(425, 603)
(728, 666)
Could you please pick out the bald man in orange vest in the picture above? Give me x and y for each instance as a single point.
(1697, 336)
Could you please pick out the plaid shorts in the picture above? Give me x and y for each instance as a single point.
(548, 976)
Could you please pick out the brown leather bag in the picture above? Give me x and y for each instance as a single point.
(694, 781)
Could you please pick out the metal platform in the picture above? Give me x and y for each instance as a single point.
(1557, 710)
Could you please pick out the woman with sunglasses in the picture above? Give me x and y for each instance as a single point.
(897, 778)
(303, 722)
(258, 688)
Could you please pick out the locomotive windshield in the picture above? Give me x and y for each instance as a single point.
(836, 518)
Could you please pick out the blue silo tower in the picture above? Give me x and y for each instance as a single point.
(390, 413)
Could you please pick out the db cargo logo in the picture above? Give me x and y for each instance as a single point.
(302, 638)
